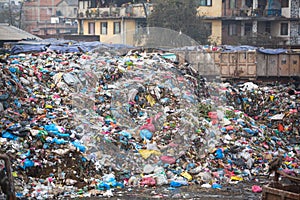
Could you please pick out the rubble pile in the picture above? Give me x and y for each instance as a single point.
(85, 124)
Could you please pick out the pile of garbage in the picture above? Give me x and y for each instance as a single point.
(85, 124)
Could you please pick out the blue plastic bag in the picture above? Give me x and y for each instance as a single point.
(216, 186)
(219, 154)
(146, 134)
(27, 163)
(8, 135)
(79, 146)
(175, 184)
(58, 141)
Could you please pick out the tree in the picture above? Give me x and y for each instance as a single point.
(11, 15)
(181, 16)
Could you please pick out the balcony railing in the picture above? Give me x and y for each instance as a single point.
(135, 10)
(261, 39)
(253, 13)
(273, 12)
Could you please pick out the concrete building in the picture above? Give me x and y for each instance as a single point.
(50, 17)
(269, 23)
(254, 22)
(212, 13)
(113, 24)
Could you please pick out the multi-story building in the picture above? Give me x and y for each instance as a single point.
(50, 17)
(211, 11)
(114, 24)
(253, 22)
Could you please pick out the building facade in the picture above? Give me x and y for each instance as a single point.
(114, 24)
(254, 22)
(211, 11)
(50, 17)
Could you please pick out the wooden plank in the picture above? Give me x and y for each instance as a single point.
(224, 69)
(270, 193)
(294, 65)
(242, 57)
(224, 58)
(292, 178)
(216, 57)
(251, 57)
(233, 58)
(272, 65)
(232, 70)
(242, 70)
(261, 64)
(283, 64)
(251, 69)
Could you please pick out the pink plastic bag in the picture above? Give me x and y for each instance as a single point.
(168, 159)
(149, 126)
(256, 189)
(148, 181)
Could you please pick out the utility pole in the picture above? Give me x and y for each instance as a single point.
(20, 15)
(10, 14)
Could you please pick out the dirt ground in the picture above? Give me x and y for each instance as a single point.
(239, 191)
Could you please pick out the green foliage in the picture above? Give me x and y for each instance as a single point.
(204, 109)
(229, 114)
(179, 16)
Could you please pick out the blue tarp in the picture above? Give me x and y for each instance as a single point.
(64, 46)
(228, 48)
(28, 48)
(68, 46)
(272, 51)
(66, 49)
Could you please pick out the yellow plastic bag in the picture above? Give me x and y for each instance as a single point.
(236, 178)
(145, 153)
(150, 99)
(187, 176)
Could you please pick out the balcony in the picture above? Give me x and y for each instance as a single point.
(131, 10)
(262, 40)
(273, 12)
(253, 13)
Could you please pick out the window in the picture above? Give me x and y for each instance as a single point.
(205, 2)
(268, 27)
(75, 11)
(298, 29)
(92, 28)
(49, 11)
(284, 28)
(232, 4)
(232, 29)
(248, 28)
(93, 4)
(249, 3)
(103, 30)
(284, 3)
(117, 27)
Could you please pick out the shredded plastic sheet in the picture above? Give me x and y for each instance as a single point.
(272, 51)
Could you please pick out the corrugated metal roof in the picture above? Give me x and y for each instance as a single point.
(71, 2)
(8, 32)
(42, 3)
